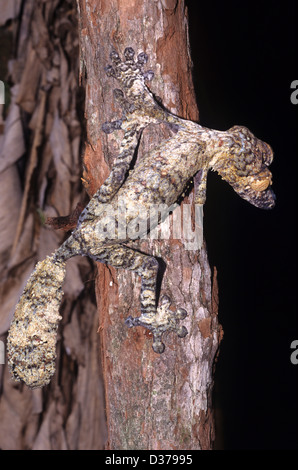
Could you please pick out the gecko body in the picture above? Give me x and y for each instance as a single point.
(160, 177)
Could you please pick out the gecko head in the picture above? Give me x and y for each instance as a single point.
(244, 165)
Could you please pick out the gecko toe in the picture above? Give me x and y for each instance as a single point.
(142, 58)
(129, 53)
(158, 347)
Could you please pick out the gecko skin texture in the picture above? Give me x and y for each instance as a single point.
(160, 177)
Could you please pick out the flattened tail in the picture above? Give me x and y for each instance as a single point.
(31, 344)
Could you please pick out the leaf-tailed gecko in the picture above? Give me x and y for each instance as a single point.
(158, 178)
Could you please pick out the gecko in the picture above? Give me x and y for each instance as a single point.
(159, 177)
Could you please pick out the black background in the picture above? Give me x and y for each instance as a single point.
(244, 63)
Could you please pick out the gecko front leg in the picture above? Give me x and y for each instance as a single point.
(139, 106)
(134, 119)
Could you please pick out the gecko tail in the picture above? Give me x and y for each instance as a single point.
(32, 337)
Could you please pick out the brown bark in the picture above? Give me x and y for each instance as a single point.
(40, 176)
(152, 401)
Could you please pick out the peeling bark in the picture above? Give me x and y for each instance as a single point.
(40, 176)
(152, 401)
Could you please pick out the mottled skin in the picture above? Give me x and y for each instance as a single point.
(158, 178)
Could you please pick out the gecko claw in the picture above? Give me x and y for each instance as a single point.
(142, 58)
(109, 127)
(114, 56)
(149, 75)
(129, 53)
(131, 321)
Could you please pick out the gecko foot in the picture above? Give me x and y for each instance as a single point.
(162, 321)
(131, 76)
(128, 70)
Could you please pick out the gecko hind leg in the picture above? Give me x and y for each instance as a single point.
(164, 320)
(158, 320)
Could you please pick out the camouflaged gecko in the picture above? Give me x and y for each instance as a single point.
(159, 177)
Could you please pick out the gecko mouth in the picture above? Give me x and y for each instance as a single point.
(263, 199)
(256, 189)
(259, 194)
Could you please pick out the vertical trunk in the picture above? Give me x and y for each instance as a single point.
(152, 401)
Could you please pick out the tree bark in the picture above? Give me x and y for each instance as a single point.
(152, 401)
(40, 170)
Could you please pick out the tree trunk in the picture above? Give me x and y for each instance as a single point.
(152, 401)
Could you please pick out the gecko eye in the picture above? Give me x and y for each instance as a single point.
(260, 185)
